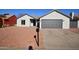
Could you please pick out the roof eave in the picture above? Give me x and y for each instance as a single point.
(56, 11)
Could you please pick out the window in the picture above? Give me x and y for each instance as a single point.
(23, 22)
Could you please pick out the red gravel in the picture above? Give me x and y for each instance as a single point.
(19, 37)
(75, 30)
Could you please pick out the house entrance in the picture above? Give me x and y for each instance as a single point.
(33, 21)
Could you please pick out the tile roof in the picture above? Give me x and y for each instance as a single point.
(5, 16)
(76, 17)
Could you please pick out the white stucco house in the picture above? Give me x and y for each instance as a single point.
(26, 21)
(53, 19)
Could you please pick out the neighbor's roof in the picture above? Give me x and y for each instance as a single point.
(57, 12)
(5, 16)
(76, 17)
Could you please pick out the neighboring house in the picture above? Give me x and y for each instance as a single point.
(26, 20)
(76, 18)
(55, 19)
(7, 20)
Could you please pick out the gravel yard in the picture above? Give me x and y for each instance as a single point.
(49, 39)
(19, 38)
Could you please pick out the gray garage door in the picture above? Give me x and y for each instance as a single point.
(73, 24)
(51, 23)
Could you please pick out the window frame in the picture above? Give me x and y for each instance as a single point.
(23, 22)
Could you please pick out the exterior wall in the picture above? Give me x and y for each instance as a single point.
(27, 21)
(55, 15)
(31, 24)
(10, 21)
(78, 24)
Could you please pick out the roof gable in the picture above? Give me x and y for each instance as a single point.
(24, 15)
(57, 12)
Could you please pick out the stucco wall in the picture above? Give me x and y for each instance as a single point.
(78, 23)
(27, 21)
(55, 15)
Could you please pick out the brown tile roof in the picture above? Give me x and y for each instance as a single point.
(76, 17)
(5, 16)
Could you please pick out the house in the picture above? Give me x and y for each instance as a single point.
(7, 20)
(55, 19)
(74, 21)
(76, 18)
(26, 20)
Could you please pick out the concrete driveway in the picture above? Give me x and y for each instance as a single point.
(61, 39)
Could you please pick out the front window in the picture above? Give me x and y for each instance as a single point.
(23, 22)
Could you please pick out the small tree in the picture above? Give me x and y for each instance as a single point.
(2, 19)
(2, 22)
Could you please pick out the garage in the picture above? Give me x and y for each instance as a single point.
(55, 19)
(73, 23)
(51, 23)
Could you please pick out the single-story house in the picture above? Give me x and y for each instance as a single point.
(57, 19)
(76, 19)
(26, 20)
(53, 19)
(7, 20)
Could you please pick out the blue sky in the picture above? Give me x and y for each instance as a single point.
(38, 12)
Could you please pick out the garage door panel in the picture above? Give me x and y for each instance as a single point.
(50, 23)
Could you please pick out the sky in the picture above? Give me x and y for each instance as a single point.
(38, 12)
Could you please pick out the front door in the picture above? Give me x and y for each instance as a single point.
(34, 22)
